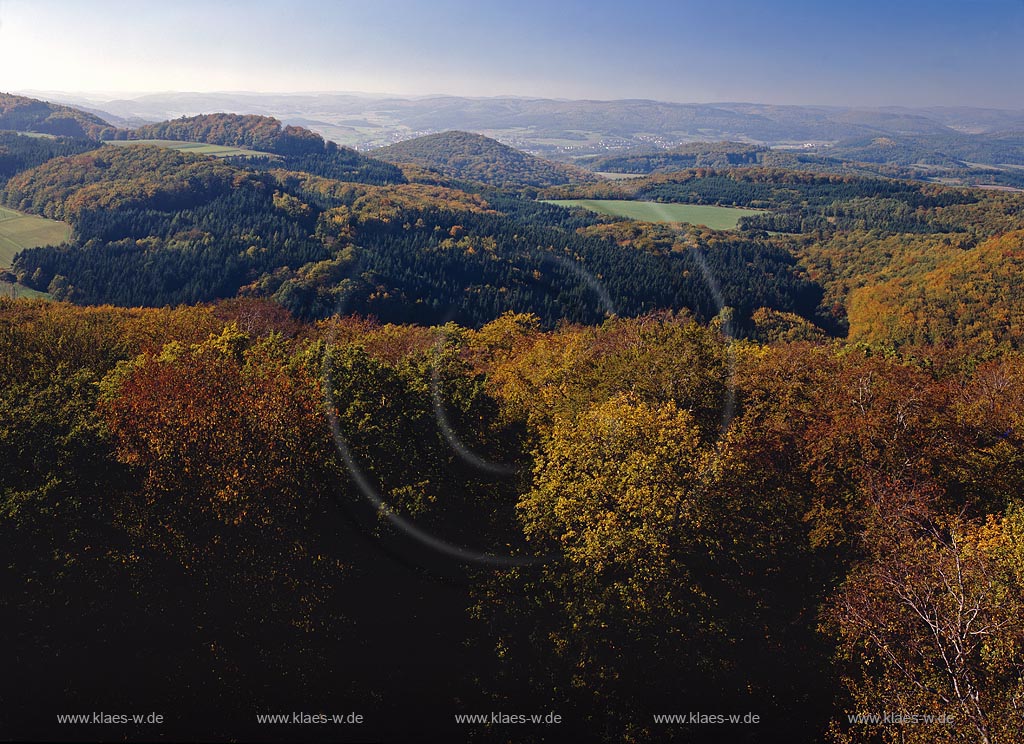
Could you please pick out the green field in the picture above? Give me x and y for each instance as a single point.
(618, 176)
(717, 218)
(37, 135)
(19, 231)
(200, 148)
(16, 291)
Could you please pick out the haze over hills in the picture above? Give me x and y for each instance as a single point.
(561, 126)
(945, 144)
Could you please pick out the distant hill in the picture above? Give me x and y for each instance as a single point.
(564, 130)
(952, 157)
(473, 157)
(995, 149)
(689, 155)
(235, 130)
(22, 114)
(302, 149)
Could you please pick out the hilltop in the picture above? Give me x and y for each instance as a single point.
(235, 130)
(473, 157)
(22, 114)
(302, 149)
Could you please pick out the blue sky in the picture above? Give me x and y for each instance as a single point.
(855, 53)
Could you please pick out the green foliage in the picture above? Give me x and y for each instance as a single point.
(19, 152)
(155, 227)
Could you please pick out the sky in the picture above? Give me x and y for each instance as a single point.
(838, 52)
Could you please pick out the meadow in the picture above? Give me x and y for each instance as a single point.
(19, 231)
(200, 148)
(14, 291)
(717, 218)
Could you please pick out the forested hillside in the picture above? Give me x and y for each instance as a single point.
(852, 235)
(299, 148)
(973, 299)
(254, 132)
(23, 114)
(473, 157)
(21, 152)
(156, 226)
(452, 413)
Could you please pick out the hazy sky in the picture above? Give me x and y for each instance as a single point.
(859, 52)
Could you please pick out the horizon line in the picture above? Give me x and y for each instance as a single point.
(111, 96)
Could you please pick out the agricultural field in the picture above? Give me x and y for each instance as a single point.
(15, 291)
(37, 135)
(717, 218)
(617, 176)
(19, 231)
(200, 148)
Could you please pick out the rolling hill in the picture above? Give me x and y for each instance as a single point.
(22, 114)
(154, 226)
(235, 130)
(473, 157)
(300, 148)
(563, 128)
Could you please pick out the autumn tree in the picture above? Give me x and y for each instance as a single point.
(930, 622)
